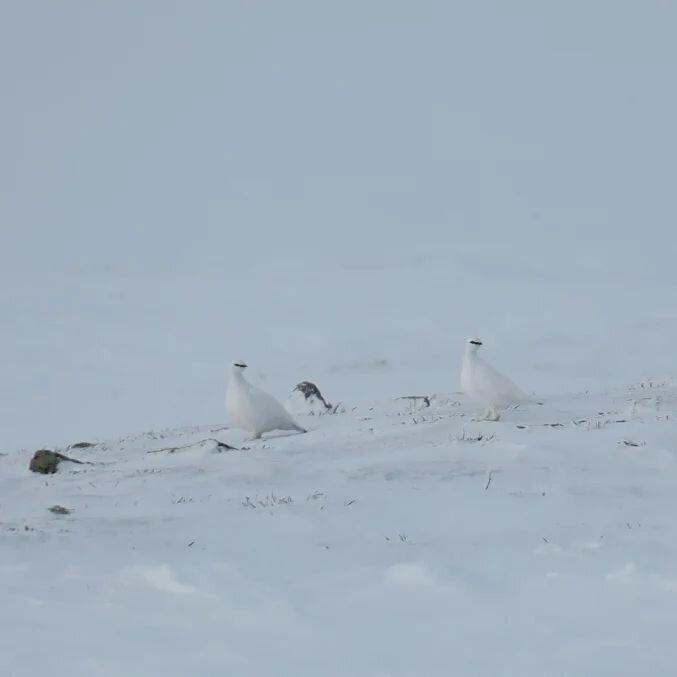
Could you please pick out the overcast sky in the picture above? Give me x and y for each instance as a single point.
(171, 128)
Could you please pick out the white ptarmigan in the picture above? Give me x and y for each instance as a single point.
(253, 409)
(486, 386)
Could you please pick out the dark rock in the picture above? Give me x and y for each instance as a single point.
(311, 391)
(59, 510)
(414, 398)
(45, 461)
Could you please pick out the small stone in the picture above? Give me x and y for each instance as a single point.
(306, 399)
(311, 391)
(59, 510)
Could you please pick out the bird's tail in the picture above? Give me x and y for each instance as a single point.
(298, 428)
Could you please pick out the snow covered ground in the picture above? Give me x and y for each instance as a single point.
(339, 193)
(392, 539)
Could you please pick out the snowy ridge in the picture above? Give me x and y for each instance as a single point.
(361, 548)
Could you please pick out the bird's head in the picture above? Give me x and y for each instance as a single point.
(473, 344)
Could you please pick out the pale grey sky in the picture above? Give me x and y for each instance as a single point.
(143, 130)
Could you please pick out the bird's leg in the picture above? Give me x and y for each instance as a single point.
(491, 415)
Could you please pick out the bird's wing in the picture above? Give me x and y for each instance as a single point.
(491, 380)
(268, 408)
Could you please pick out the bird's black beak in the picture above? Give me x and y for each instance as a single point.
(240, 364)
(476, 343)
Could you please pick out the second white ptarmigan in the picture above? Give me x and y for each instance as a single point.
(253, 409)
(486, 386)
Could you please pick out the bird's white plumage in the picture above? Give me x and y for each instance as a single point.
(486, 386)
(253, 409)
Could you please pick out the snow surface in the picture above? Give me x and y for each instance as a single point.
(394, 539)
(338, 193)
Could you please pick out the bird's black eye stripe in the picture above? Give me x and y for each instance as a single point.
(239, 364)
(476, 343)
